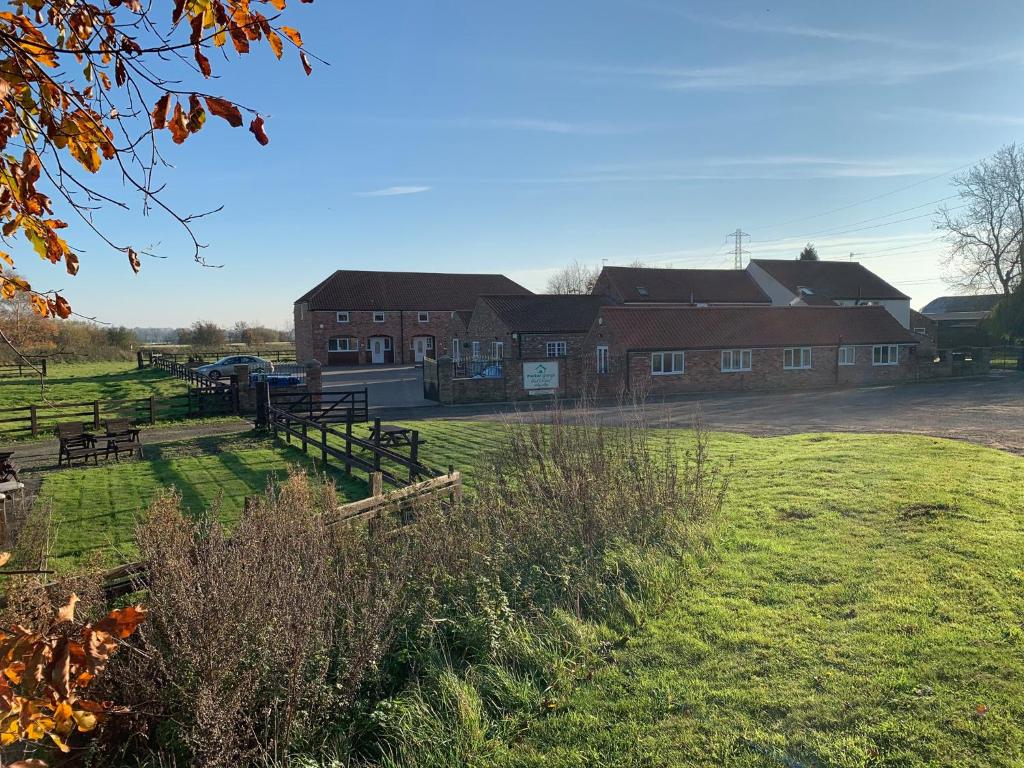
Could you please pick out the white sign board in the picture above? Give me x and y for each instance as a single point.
(540, 377)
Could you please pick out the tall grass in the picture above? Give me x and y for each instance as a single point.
(424, 644)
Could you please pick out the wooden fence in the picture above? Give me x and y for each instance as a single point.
(36, 419)
(147, 357)
(351, 452)
(330, 407)
(23, 368)
(447, 488)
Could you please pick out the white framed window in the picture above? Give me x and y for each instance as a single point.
(921, 331)
(379, 317)
(430, 342)
(734, 360)
(342, 317)
(796, 358)
(387, 343)
(667, 363)
(476, 350)
(343, 344)
(422, 317)
(602, 359)
(555, 348)
(885, 354)
(847, 355)
(456, 350)
(497, 350)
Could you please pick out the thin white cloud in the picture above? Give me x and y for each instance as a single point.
(796, 72)
(768, 26)
(555, 126)
(931, 115)
(393, 191)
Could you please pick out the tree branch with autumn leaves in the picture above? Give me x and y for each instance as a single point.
(88, 84)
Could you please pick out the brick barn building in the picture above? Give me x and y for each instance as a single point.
(375, 318)
(530, 327)
(668, 350)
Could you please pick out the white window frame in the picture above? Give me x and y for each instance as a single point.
(555, 349)
(422, 317)
(602, 359)
(475, 350)
(497, 350)
(673, 358)
(892, 354)
(921, 331)
(733, 355)
(456, 350)
(796, 358)
(342, 317)
(380, 317)
(847, 355)
(350, 346)
(387, 343)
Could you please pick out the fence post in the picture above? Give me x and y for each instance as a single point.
(376, 484)
(138, 359)
(348, 445)
(414, 453)
(152, 409)
(33, 420)
(323, 443)
(376, 445)
(96, 414)
(44, 367)
(262, 404)
(305, 438)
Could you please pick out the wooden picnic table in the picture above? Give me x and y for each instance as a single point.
(392, 435)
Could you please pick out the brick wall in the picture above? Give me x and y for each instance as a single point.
(486, 328)
(313, 331)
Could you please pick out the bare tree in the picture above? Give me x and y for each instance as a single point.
(575, 278)
(986, 229)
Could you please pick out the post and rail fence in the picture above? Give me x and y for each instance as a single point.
(26, 367)
(147, 356)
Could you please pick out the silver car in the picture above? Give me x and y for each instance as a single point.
(226, 366)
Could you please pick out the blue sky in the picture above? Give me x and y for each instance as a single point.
(517, 137)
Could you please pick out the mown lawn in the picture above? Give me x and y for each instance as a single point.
(865, 606)
(83, 382)
(95, 508)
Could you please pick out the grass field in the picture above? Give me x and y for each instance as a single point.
(83, 382)
(864, 607)
(95, 508)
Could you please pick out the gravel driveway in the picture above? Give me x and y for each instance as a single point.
(988, 410)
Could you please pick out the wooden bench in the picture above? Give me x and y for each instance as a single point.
(122, 436)
(75, 443)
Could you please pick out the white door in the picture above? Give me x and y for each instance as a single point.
(377, 350)
(419, 348)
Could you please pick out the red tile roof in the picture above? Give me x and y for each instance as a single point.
(834, 279)
(684, 286)
(735, 327)
(546, 313)
(350, 289)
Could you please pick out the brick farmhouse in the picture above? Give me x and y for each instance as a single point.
(376, 318)
(774, 325)
(664, 350)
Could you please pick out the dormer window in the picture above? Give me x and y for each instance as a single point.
(642, 290)
(804, 290)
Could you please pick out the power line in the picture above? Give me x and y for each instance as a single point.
(866, 200)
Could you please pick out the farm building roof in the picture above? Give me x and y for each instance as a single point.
(546, 313)
(349, 289)
(683, 286)
(735, 327)
(832, 279)
(961, 307)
